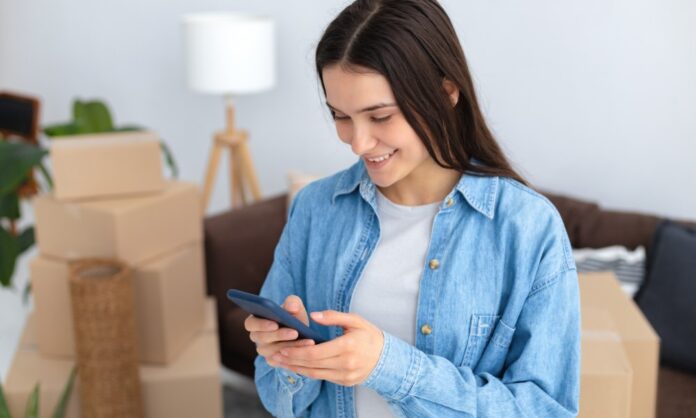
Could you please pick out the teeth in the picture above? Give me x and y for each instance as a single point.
(382, 158)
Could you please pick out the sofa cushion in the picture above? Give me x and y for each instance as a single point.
(590, 226)
(667, 295)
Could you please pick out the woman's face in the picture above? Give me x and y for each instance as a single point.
(368, 119)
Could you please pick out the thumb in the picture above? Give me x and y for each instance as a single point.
(294, 305)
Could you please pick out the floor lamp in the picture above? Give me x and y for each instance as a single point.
(230, 54)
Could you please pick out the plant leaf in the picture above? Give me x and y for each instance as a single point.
(16, 160)
(61, 129)
(26, 239)
(62, 405)
(169, 158)
(80, 118)
(9, 249)
(129, 128)
(99, 116)
(9, 206)
(4, 409)
(47, 175)
(32, 410)
(26, 293)
(92, 117)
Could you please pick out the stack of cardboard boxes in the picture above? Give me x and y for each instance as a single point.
(620, 352)
(111, 201)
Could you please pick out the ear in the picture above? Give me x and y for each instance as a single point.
(452, 91)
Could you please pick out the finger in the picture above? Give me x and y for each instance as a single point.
(294, 305)
(329, 349)
(267, 337)
(268, 350)
(253, 323)
(342, 319)
(335, 363)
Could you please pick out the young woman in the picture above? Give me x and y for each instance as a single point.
(445, 284)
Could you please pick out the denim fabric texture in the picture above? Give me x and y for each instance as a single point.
(502, 304)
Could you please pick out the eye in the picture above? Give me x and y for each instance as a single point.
(381, 120)
(333, 115)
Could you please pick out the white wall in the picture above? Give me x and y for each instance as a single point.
(594, 99)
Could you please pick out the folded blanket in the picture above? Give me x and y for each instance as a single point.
(629, 266)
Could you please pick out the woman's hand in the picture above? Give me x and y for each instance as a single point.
(347, 360)
(269, 338)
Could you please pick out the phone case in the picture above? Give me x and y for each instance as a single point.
(268, 309)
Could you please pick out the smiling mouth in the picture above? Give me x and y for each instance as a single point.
(382, 158)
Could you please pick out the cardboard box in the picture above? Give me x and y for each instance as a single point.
(210, 318)
(169, 302)
(132, 229)
(189, 387)
(606, 374)
(640, 341)
(106, 164)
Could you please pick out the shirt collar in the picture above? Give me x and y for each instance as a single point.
(479, 191)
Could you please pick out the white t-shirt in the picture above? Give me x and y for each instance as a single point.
(387, 292)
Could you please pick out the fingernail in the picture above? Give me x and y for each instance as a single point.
(292, 306)
(284, 352)
(317, 315)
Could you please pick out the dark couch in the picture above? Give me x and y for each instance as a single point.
(239, 248)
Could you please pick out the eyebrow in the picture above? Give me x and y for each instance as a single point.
(367, 109)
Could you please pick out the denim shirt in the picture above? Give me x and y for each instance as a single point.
(498, 313)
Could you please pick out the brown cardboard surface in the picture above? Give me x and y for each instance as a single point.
(606, 374)
(132, 229)
(211, 322)
(106, 164)
(189, 387)
(169, 300)
(641, 343)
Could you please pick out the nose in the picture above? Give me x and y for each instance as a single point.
(362, 140)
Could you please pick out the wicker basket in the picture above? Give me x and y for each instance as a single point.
(105, 339)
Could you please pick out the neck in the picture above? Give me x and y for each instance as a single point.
(428, 183)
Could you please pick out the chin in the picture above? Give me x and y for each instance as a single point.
(382, 182)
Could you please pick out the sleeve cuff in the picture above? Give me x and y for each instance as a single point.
(290, 380)
(397, 369)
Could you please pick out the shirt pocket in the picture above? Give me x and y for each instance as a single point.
(488, 343)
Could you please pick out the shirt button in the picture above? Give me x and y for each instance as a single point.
(434, 264)
(426, 330)
(450, 201)
(291, 380)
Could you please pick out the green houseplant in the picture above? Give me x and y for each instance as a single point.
(32, 408)
(90, 117)
(17, 163)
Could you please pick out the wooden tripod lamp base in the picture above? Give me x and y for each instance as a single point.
(242, 174)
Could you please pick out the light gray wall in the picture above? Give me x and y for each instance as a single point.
(594, 99)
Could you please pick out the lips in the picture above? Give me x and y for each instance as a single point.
(388, 155)
(379, 164)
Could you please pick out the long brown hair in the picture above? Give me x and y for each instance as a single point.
(413, 44)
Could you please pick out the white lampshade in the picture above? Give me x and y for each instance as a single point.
(229, 53)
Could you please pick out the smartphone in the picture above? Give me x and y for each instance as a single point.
(268, 309)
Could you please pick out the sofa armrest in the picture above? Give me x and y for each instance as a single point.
(239, 247)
